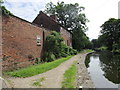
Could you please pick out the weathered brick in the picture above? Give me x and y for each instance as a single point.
(19, 41)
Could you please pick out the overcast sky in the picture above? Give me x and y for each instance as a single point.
(97, 11)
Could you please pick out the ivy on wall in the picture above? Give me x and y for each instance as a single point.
(5, 11)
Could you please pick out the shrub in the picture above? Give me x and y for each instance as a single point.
(37, 60)
(72, 51)
(47, 57)
(55, 48)
(53, 44)
(63, 54)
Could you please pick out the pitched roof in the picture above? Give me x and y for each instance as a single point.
(47, 22)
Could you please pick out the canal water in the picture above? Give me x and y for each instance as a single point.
(104, 69)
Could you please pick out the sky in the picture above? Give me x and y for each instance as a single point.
(97, 11)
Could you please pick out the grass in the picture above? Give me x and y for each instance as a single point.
(38, 82)
(37, 69)
(70, 77)
(102, 48)
(87, 50)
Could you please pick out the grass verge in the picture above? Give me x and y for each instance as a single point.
(37, 69)
(70, 77)
(86, 51)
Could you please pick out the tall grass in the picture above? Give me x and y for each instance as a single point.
(37, 69)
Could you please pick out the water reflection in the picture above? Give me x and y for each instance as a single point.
(87, 61)
(107, 66)
(94, 56)
(110, 64)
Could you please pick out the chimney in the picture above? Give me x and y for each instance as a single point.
(54, 17)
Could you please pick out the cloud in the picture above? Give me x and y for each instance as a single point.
(25, 1)
(25, 10)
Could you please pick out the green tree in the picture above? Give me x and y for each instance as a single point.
(111, 33)
(102, 40)
(95, 43)
(71, 17)
(80, 40)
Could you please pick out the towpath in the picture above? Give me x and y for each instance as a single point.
(52, 78)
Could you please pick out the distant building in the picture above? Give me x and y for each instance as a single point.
(23, 41)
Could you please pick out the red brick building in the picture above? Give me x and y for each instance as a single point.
(23, 41)
(51, 24)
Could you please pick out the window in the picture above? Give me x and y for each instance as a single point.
(38, 40)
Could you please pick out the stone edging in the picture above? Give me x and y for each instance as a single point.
(83, 78)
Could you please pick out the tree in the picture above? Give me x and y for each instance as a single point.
(111, 33)
(95, 43)
(80, 40)
(68, 15)
(71, 17)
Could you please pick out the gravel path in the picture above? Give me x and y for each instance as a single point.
(83, 78)
(53, 78)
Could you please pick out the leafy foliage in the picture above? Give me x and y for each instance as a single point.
(68, 14)
(55, 48)
(80, 40)
(71, 17)
(5, 11)
(111, 34)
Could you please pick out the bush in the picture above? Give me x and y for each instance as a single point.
(47, 57)
(37, 60)
(102, 48)
(55, 48)
(72, 51)
(63, 54)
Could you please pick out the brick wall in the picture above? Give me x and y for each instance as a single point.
(67, 37)
(0, 45)
(50, 22)
(20, 42)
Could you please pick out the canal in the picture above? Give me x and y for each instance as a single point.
(104, 69)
